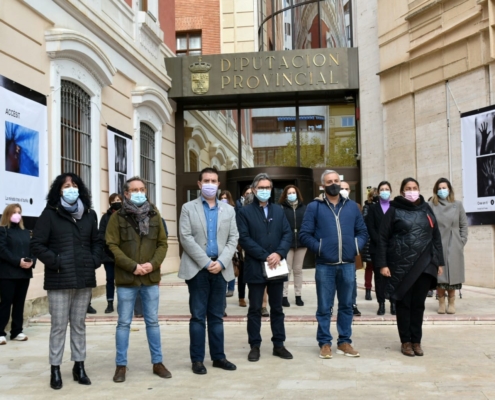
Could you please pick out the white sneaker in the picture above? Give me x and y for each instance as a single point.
(3, 340)
(21, 337)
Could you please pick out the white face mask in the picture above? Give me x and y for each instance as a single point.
(344, 193)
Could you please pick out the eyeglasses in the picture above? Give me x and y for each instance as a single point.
(142, 190)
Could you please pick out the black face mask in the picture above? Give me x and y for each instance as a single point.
(375, 199)
(116, 206)
(333, 189)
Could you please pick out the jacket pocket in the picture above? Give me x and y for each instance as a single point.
(153, 230)
(126, 233)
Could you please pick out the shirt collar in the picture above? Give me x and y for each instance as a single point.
(204, 201)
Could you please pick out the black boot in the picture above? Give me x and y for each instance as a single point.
(55, 377)
(109, 308)
(285, 302)
(79, 373)
(368, 295)
(299, 301)
(381, 309)
(90, 309)
(393, 311)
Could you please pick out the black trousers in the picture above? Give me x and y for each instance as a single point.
(275, 292)
(241, 285)
(411, 308)
(12, 297)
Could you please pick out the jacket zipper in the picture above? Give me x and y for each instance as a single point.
(295, 224)
(339, 231)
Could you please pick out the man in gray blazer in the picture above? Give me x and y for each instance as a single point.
(208, 235)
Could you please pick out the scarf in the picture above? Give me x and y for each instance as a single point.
(293, 204)
(140, 214)
(76, 210)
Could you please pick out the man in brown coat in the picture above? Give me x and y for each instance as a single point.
(136, 236)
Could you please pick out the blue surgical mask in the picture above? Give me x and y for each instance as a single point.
(443, 193)
(292, 197)
(138, 198)
(70, 195)
(263, 195)
(385, 195)
(224, 201)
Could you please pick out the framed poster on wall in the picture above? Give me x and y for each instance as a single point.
(478, 165)
(24, 145)
(120, 159)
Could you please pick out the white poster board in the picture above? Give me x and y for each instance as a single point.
(478, 165)
(120, 159)
(24, 148)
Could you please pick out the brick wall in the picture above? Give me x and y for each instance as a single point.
(203, 15)
(166, 15)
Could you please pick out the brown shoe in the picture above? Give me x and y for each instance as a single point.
(417, 349)
(407, 350)
(242, 303)
(326, 351)
(120, 374)
(346, 349)
(160, 370)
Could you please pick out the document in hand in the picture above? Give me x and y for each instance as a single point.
(280, 272)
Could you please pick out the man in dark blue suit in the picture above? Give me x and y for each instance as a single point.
(265, 236)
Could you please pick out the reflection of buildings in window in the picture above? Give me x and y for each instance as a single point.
(342, 136)
(275, 140)
(211, 140)
(330, 24)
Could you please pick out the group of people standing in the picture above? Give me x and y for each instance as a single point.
(414, 245)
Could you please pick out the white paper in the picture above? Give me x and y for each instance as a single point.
(281, 269)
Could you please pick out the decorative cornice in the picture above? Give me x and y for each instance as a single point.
(153, 98)
(68, 44)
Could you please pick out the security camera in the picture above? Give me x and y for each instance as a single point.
(357, 156)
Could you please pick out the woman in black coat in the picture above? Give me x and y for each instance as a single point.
(373, 220)
(410, 257)
(16, 269)
(107, 258)
(291, 201)
(66, 240)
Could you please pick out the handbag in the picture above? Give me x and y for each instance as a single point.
(358, 261)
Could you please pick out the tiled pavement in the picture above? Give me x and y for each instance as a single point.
(459, 361)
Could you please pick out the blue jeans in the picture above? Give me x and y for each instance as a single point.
(231, 285)
(126, 297)
(206, 303)
(354, 290)
(331, 278)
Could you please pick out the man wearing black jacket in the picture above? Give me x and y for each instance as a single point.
(265, 236)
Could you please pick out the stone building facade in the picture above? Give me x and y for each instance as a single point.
(422, 63)
(114, 51)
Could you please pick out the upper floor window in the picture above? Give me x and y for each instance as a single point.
(76, 131)
(148, 172)
(188, 44)
(347, 121)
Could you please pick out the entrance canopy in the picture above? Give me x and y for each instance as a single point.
(265, 78)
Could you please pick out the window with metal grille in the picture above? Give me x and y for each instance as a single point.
(148, 160)
(75, 130)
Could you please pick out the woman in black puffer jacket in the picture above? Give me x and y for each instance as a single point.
(291, 201)
(66, 240)
(409, 255)
(16, 269)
